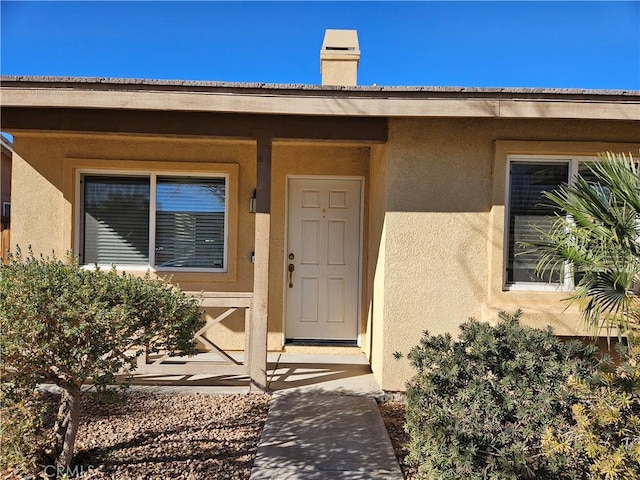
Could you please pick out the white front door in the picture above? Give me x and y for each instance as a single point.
(323, 259)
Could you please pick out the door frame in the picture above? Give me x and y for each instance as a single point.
(285, 256)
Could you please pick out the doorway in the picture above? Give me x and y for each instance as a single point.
(323, 257)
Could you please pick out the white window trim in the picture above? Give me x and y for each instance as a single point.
(567, 286)
(153, 175)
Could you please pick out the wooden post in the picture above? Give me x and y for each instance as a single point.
(263, 180)
(258, 353)
(142, 359)
(260, 307)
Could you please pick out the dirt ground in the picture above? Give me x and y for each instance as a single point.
(393, 414)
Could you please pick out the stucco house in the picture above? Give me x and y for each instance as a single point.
(351, 217)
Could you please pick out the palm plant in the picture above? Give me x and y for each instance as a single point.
(597, 236)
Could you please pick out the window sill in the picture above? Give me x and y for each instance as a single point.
(147, 268)
(118, 268)
(187, 270)
(536, 287)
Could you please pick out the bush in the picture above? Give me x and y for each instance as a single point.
(478, 407)
(604, 442)
(67, 325)
(22, 429)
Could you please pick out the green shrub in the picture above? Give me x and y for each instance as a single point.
(67, 325)
(23, 434)
(478, 407)
(604, 442)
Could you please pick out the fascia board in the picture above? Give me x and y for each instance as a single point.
(342, 105)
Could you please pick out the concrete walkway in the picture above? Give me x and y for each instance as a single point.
(324, 422)
(310, 436)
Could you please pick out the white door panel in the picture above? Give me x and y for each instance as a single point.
(324, 248)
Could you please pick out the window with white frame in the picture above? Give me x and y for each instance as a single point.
(166, 222)
(529, 211)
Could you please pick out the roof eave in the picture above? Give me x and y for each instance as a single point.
(123, 94)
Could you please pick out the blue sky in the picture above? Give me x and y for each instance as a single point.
(483, 44)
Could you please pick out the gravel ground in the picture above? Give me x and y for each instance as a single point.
(393, 414)
(186, 436)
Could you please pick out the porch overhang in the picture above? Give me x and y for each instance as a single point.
(197, 124)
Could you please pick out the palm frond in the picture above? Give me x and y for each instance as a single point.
(598, 234)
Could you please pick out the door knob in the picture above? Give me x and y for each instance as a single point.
(291, 269)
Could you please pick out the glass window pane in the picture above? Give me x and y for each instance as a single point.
(586, 173)
(116, 220)
(529, 209)
(190, 215)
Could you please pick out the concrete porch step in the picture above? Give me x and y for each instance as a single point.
(322, 350)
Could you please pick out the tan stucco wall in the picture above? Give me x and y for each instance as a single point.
(339, 72)
(38, 203)
(373, 346)
(443, 226)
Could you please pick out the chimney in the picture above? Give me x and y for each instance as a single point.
(339, 58)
